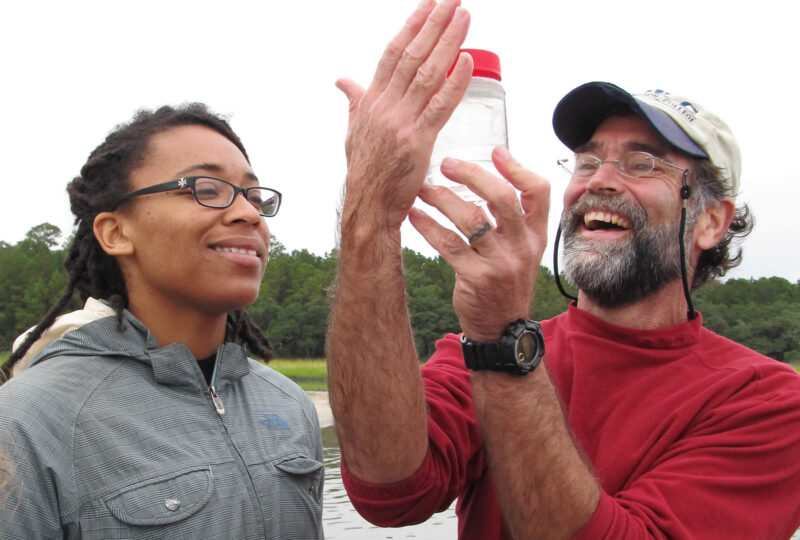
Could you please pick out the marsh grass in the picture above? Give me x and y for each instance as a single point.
(310, 374)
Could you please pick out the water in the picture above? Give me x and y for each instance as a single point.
(341, 521)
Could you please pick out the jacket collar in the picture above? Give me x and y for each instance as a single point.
(172, 365)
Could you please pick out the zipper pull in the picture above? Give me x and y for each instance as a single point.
(217, 402)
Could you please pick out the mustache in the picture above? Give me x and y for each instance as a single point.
(572, 218)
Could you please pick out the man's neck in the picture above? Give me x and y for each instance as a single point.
(666, 307)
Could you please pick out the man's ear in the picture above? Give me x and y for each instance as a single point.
(713, 223)
(109, 229)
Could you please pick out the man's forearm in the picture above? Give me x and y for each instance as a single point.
(545, 488)
(373, 376)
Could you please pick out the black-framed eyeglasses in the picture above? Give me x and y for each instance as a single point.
(632, 165)
(216, 193)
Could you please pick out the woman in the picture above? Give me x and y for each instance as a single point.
(150, 420)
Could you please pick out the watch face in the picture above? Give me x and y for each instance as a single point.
(527, 347)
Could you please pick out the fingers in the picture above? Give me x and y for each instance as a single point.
(419, 82)
(496, 268)
(395, 49)
(436, 110)
(519, 205)
(447, 243)
(469, 219)
(480, 233)
(417, 52)
(523, 194)
(411, 80)
(534, 190)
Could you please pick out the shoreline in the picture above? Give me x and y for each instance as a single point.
(323, 407)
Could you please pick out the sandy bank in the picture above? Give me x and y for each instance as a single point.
(320, 400)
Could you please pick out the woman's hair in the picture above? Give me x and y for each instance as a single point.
(104, 178)
(709, 190)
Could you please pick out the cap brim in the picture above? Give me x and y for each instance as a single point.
(578, 114)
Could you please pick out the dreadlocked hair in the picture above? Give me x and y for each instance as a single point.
(251, 336)
(102, 181)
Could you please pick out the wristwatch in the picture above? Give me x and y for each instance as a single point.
(518, 351)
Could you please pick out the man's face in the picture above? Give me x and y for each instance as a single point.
(621, 233)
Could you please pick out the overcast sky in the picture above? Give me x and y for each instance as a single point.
(73, 70)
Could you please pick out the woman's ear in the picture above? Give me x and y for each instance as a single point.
(713, 223)
(109, 229)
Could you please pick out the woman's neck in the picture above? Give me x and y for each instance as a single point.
(201, 332)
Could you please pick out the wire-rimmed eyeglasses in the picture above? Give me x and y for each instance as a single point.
(215, 193)
(632, 165)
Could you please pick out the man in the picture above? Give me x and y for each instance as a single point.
(637, 422)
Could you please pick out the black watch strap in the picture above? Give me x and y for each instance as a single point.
(518, 351)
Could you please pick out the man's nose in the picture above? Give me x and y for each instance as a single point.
(606, 178)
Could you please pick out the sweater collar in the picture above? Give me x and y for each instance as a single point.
(668, 337)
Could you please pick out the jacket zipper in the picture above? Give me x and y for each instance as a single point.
(213, 391)
(252, 493)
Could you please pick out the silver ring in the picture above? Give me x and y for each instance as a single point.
(482, 231)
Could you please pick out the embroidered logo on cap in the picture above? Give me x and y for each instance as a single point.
(685, 108)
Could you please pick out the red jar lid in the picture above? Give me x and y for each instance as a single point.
(485, 64)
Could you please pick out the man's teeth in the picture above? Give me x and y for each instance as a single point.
(236, 250)
(605, 217)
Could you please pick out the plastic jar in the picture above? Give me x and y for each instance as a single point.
(477, 125)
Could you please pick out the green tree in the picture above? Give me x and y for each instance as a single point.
(32, 277)
(293, 304)
(762, 314)
(548, 300)
(429, 283)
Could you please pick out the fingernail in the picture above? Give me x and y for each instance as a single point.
(502, 153)
(460, 14)
(449, 164)
(415, 212)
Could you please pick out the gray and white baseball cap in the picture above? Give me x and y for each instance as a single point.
(683, 123)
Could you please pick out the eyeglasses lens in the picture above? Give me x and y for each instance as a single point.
(633, 164)
(213, 193)
(265, 200)
(218, 194)
(271, 203)
(636, 164)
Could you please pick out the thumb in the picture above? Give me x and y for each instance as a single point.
(352, 90)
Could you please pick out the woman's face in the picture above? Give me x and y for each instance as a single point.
(187, 257)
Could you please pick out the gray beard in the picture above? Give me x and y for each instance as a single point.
(618, 273)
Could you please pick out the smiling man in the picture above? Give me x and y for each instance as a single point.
(637, 422)
(621, 222)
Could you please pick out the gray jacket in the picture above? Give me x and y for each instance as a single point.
(110, 435)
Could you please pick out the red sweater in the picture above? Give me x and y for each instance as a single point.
(690, 435)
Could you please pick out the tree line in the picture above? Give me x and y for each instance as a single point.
(295, 297)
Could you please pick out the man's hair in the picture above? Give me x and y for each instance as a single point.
(709, 189)
(103, 179)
